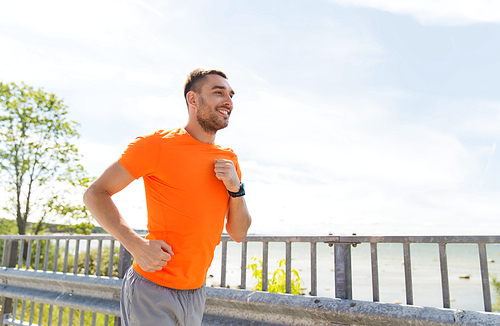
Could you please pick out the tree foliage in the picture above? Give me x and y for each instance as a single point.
(496, 286)
(277, 282)
(8, 226)
(39, 161)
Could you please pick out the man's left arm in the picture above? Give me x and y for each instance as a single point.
(238, 217)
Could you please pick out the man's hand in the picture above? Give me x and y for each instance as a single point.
(238, 219)
(152, 255)
(226, 172)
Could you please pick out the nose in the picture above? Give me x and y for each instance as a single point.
(228, 101)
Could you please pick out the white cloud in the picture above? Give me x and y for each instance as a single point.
(348, 164)
(436, 12)
(361, 141)
(479, 118)
(318, 156)
(93, 21)
(130, 201)
(97, 156)
(30, 62)
(156, 111)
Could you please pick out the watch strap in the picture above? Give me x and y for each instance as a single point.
(240, 192)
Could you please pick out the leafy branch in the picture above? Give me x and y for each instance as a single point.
(277, 282)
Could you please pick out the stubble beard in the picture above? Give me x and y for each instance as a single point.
(208, 119)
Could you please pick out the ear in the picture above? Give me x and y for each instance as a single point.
(191, 99)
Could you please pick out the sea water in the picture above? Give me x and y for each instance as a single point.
(463, 271)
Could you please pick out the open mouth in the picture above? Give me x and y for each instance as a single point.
(225, 112)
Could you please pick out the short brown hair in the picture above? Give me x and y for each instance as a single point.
(194, 79)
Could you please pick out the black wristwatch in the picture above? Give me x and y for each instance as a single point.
(240, 192)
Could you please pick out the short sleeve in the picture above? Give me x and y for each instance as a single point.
(141, 156)
(237, 166)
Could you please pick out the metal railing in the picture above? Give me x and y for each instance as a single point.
(36, 271)
(41, 271)
(342, 261)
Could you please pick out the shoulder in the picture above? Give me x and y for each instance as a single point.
(157, 135)
(163, 133)
(227, 153)
(176, 133)
(227, 150)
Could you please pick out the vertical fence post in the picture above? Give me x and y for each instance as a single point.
(4, 252)
(314, 272)
(37, 254)
(243, 265)
(288, 267)
(265, 264)
(10, 262)
(375, 279)
(56, 256)
(87, 258)
(223, 265)
(21, 250)
(343, 278)
(483, 261)
(28, 255)
(77, 252)
(445, 283)
(408, 279)
(99, 258)
(124, 262)
(111, 258)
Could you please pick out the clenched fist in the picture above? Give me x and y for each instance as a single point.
(226, 172)
(152, 255)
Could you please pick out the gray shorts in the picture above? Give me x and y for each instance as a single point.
(145, 303)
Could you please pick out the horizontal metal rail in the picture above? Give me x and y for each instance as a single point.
(57, 237)
(90, 293)
(248, 307)
(370, 239)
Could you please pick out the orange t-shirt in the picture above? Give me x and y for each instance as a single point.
(186, 203)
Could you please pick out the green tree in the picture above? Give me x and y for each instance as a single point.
(7, 226)
(38, 158)
(277, 282)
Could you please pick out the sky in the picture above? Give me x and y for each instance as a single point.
(373, 117)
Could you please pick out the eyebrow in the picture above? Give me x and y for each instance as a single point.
(223, 87)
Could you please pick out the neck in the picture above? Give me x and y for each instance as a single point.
(197, 132)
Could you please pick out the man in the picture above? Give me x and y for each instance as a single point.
(192, 187)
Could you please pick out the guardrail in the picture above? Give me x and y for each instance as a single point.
(38, 274)
(342, 256)
(59, 278)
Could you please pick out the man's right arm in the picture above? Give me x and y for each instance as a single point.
(150, 255)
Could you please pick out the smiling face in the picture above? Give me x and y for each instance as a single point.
(214, 103)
